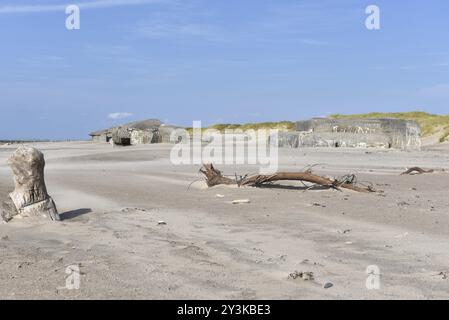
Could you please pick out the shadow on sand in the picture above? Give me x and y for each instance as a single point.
(290, 187)
(74, 213)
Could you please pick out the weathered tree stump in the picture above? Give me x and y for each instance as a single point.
(30, 195)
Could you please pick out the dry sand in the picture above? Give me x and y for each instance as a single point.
(112, 199)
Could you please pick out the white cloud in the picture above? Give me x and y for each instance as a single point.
(36, 8)
(119, 115)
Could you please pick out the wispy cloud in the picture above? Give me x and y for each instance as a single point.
(307, 17)
(119, 115)
(314, 42)
(41, 8)
(185, 20)
(437, 91)
(443, 64)
(266, 24)
(160, 29)
(103, 50)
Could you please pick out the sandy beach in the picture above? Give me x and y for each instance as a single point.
(141, 228)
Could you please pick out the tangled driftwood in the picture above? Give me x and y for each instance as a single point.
(215, 177)
(416, 170)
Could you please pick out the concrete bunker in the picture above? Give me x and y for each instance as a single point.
(354, 133)
(138, 132)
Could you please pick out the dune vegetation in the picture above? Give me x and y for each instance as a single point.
(431, 124)
(281, 126)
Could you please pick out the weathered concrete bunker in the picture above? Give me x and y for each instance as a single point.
(354, 133)
(138, 132)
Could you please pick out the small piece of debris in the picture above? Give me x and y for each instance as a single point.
(24, 263)
(348, 242)
(161, 223)
(220, 195)
(383, 184)
(133, 209)
(403, 204)
(399, 236)
(344, 231)
(316, 204)
(305, 276)
(444, 275)
(307, 261)
(241, 201)
(4, 238)
(328, 285)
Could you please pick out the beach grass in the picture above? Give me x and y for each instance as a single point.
(281, 126)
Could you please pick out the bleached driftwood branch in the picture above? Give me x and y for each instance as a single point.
(214, 177)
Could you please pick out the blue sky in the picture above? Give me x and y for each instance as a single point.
(215, 61)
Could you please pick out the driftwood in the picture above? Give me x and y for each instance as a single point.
(215, 177)
(416, 170)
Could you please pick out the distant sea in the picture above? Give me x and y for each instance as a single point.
(31, 141)
(23, 141)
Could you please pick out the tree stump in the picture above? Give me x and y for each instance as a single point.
(30, 195)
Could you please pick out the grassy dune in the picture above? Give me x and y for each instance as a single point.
(431, 124)
(281, 126)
